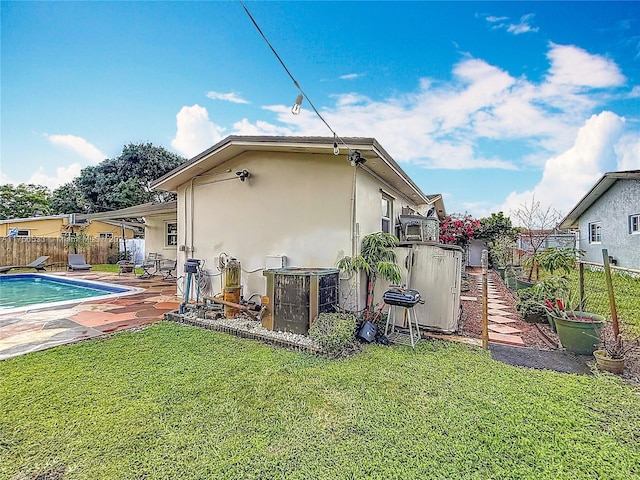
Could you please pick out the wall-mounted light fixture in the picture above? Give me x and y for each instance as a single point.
(243, 174)
(356, 158)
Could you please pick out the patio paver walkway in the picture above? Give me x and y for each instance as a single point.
(25, 332)
(499, 317)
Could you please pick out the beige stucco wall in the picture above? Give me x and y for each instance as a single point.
(155, 238)
(293, 204)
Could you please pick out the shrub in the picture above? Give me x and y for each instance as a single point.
(334, 332)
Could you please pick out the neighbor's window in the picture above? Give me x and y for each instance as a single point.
(634, 223)
(23, 233)
(106, 235)
(171, 234)
(387, 213)
(595, 232)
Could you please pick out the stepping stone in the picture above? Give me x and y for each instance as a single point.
(508, 339)
(468, 299)
(492, 304)
(494, 311)
(499, 319)
(504, 329)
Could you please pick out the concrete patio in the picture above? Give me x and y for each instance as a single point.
(25, 332)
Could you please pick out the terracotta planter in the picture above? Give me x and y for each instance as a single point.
(605, 362)
(579, 332)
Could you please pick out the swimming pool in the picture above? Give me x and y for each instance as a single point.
(31, 291)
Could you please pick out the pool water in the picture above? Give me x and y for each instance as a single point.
(21, 290)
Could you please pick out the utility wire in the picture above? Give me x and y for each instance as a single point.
(295, 82)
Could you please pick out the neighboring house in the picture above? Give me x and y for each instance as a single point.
(290, 198)
(545, 239)
(608, 216)
(56, 226)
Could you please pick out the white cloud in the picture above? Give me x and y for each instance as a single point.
(227, 97)
(628, 152)
(78, 145)
(575, 67)
(524, 26)
(350, 76)
(195, 132)
(63, 175)
(568, 176)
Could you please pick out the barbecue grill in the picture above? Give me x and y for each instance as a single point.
(405, 299)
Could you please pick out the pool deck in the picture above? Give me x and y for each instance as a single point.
(26, 332)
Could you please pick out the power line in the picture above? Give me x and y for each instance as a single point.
(295, 82)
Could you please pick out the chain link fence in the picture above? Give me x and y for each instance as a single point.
(590, 281)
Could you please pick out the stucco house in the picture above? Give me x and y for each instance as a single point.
(608, 216)
(57, 226)
(270, 201)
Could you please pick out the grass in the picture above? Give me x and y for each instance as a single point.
(178, 402)
(626, 293)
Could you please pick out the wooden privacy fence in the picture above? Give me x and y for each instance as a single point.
(24, 250)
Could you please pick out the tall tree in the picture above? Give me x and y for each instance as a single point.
(124, 181)
(68, 199)
(24, 200)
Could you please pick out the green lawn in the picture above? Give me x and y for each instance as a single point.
(178, 402)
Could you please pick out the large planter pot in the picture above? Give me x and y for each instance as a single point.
(500, 271)
(580, 331)
(605, 362)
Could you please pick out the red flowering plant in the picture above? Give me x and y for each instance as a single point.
(458, 229)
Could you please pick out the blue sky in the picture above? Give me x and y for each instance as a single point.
(487, 103)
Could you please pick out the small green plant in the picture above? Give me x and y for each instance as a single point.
(334, 332)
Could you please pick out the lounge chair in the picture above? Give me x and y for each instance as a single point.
(77, 262)
(39, 264)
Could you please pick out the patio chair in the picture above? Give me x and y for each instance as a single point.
(77, 262)
(168, 268)
(150, 262)
(125, 266)
(39, 264)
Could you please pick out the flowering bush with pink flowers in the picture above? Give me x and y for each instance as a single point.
(458, 229)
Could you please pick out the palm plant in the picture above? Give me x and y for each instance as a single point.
(377, 260)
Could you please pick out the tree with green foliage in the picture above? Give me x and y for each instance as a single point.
(497, 225)
(125, 181)
(24, 200)
(68, 199)
(500, 236)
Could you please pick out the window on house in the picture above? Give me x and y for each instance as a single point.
(23, 233)
(634, 223)
(595, 232)
(106, 235)
(171, 230)
(387, 213)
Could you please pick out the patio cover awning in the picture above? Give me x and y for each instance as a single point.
(138, 211)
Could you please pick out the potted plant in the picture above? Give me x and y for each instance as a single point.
(613, 352)
(579, 332)
(530, 306)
